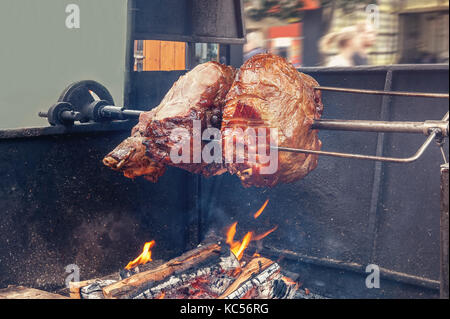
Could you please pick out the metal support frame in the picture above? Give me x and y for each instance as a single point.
(434, 129)
(444, 273)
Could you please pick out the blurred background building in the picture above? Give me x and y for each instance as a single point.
(41, 56)
(360, 32)
(404, 31)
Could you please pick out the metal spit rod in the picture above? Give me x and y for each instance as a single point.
(111, 111)
(379, 92)
(435, 130)
(380, 126)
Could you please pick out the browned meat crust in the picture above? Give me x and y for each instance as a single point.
(270, 93)
(198, 95)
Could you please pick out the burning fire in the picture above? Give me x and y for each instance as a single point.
(259, 212)
(143, 258)
(238, 247)
(259, 237)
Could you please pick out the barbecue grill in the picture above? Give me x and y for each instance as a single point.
(352, 211)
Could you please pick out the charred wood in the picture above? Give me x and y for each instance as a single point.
(136, 284)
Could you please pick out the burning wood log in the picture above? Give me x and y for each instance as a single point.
(125, 273)
(256, 282)
(20, 292)
(136, 284)
(95, 289)
(206, 272)
(261, 278)
(255, 266)
(206, 282)
(209, 271)
(75, 287)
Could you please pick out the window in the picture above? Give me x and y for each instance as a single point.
(155, 55)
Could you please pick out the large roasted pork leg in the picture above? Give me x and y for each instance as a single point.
(269, 93)
(197, 97)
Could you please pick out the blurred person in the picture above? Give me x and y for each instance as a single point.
(346, 43)
(365, 39)
(254, 45)
(352, 43)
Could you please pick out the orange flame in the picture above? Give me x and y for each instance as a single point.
(143, 258)
(230, 235)
(239, 251)
(259, 212)
(259, 237)
(237, 247)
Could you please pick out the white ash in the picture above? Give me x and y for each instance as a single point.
(217, 285)
(174, 282)
(301, 294)
(257, 281)
(229, 262)
(94, 290)
(220, 284)
(276, 288)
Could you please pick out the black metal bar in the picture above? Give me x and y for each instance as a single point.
(190, 56)
(444, 269)
(129, 53)
(186, 38)
(349, 266)
(119, 113)
(378, 169)
(239, 7)
(62, 129)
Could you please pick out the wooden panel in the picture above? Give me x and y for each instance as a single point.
(164, 55)
(152, 53)
(167, 56)
(180, 56)
(19, 292)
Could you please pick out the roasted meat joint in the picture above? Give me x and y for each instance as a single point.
(223, 150)
(216, 119)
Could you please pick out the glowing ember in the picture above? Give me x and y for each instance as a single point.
(259, 212)
(288, 280)
(143, 258)
(162, 295)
